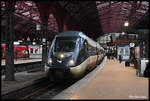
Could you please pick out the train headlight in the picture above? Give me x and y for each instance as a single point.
(71, 62)
(62, 56)
(50, 61)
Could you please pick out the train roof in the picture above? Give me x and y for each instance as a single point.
(78, 34)
(69, 34)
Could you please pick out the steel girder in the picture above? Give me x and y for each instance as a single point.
(29, 10)
(120, 12)
(142, 23)
(86, 15)
(82, 15)
(25, 20)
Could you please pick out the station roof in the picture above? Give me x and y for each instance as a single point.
(113, 14)
(94, 18)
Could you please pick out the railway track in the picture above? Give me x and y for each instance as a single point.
(42, 89)
(23, 92)
(53, 91)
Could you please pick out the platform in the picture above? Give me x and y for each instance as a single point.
(112, 81)
(21, 60)
(22, 80)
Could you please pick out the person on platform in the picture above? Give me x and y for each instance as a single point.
(120, 58)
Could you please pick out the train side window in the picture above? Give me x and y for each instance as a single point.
(93, 51)
(89, 48)
(98, 50)
(85, 46)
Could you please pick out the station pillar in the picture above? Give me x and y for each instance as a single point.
(138, 72)
(9, 75)
(44, 43)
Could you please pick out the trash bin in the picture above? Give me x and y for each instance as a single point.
(146, 74)
(141, 66)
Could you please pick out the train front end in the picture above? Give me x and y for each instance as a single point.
(61, 62)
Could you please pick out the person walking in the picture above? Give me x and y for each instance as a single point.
(108, 54)
(120, 58)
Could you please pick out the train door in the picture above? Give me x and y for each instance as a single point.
(89, 58)
(86, 54)
(86, 50)
(92, 56)
(97, 56)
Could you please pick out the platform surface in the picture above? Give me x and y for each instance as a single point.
(21, 60)
(114, 81)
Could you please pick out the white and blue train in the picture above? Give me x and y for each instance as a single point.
(72, 54)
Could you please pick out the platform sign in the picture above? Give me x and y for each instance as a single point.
(132, 44)
(110, 44)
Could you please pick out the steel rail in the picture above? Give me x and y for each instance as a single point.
(27, 91)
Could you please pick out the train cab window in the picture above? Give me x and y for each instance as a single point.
(89, 48)
(65, 44)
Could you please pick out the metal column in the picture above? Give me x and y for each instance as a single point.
(44, 44)
(9, 45)
(140, 58)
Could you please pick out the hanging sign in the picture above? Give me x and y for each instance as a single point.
(132, 44)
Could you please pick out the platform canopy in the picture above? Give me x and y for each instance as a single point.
(113, 14)
(94, 18)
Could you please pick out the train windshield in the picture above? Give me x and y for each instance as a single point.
(65, 44)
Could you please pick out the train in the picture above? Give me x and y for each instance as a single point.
(72, 54)
(20, 51)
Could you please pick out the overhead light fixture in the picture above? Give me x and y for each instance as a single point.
(126, 24)
(138, 2)
(33, 43)
(28, 39)
(123, 33)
